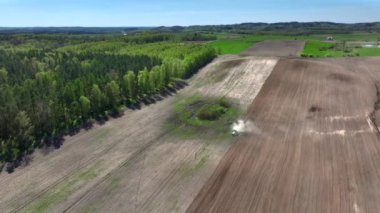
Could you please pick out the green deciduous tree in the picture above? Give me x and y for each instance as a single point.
(3, 75)
(130, 86)
(96, 99)
(85, 105)
(113, 94)
(23, 131)
(143, 82)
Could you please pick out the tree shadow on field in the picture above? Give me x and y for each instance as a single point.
(135, 106)
(116, 113)
(88, 125)
(22, 161)
(166, 93)
(148, 101)
(101, 120)
(50, 143)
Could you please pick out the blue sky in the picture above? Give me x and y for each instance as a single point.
(19, 13)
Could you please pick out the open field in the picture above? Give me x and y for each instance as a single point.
(321, 49)
(316, 147)
(368, 51)
(275, 48)
(334, 49)
(358, 36)
(231, 46)
(237, 45)
(135, 163)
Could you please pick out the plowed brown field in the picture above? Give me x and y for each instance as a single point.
(275, 48)
(317, 149)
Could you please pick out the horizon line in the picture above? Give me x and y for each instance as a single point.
(78, 26)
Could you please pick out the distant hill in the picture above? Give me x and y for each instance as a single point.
(71, 30)
(294, 28)
(285, 27)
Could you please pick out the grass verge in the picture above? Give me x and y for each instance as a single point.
(211, 117)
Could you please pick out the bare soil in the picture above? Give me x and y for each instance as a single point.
(317, 149)
(133, 163)
(275, 48)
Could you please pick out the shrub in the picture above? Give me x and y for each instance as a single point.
(211, 112)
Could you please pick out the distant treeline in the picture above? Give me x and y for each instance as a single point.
(151, 37)
(286, 28)
(53, 41)
(290, 28)
(45, 94)
(70, 30)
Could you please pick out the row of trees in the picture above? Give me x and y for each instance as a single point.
(47, 94)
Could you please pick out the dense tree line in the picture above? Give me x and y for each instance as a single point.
(54, 41)
(142, 38)
(197, 37)
(46, 94)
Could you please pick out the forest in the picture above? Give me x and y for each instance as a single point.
(54, 85)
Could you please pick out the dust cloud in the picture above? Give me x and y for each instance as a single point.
(245, 126)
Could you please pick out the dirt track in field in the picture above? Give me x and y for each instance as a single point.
(134, 163)
(317, 149)
(275, 48)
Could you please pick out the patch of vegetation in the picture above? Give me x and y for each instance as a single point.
(189, 169)
(200, 115)
(115, 183)
(63, 190)
(102, 135)
(211, 112)
(218, 76)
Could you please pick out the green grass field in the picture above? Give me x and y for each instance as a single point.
(368, 51)
(320, 49)
(357, 37)
(326, 49)
(235, 45)
(231, 46)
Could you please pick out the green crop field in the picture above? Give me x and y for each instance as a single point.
(368, 51)
(330, 49)
(237, 45)
(231, 46)
(357, 37)
(320, 49)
